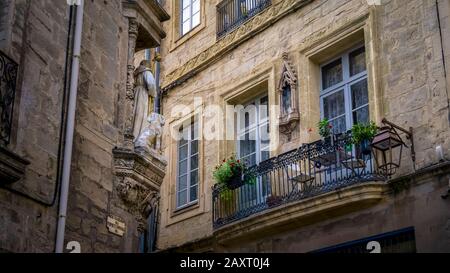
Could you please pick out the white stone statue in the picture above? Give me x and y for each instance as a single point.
(150, 138)
(145, 94)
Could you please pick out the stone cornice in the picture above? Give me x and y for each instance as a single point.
(230, 41)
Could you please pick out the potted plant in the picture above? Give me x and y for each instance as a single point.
(231, 174)
(325, 128)
(363, 134)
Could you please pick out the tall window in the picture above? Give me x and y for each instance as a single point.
(253, 132)
(344, 99)
(188, 165)
(190, 15)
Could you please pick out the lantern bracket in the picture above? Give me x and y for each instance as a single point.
(409, 136)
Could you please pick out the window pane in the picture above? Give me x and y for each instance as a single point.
(360, 95)
(194, 147)
(249, 160)
(182, 183)
(186, 14)
(194, 193)
(361, 115)
(186, 27)
(264, 108)
(183, 154)
(265, 155)
(196, 6)
(194, 162)
(265, 136)
(186, 3)
(247, 117)
(332, 74)
(183, 167)
(182, 198)
(196, 19)
(195, 131)
(194, 178)
(357, 61)
(339, 125)
(248, 144)
(334, 105)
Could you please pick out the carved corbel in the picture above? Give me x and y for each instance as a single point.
(287, 88)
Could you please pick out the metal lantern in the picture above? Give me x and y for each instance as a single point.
(384, 147)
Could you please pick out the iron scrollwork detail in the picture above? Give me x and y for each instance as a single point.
(8, 78)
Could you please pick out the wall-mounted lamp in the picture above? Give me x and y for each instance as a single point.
(384, 145)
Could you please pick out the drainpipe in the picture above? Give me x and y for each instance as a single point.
(67, 159)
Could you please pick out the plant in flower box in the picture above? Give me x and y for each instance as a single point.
(363, 134)
(232, 174)
(325, 130)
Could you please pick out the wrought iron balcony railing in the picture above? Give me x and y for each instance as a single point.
(8, 77)
(232, 13)
(309, 171)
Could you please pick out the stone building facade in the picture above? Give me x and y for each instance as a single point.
(240, 52)
(218, 53)
(111, 182)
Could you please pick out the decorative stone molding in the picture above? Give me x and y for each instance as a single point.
(139, 176)
(289, 114)
(241, 34)
(12, 166)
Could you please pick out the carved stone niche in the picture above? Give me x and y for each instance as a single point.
(139, 175)
(289, 114)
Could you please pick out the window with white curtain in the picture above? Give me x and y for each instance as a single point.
(344, 99)
(190, 15)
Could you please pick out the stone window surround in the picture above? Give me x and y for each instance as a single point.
(176, 38)
(343, 86)
(359, 32)
(249, 88)
(178, 215)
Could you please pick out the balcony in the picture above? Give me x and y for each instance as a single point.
(233, 13)
(312, 171)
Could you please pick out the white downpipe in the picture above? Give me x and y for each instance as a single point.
(67, 160)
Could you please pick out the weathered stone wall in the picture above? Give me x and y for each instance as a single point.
(36, 40)
(405, 70)
(26, 226)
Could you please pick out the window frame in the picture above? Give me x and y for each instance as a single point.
(194, 124)
(254, 127)
(191, 15)
(345, 85)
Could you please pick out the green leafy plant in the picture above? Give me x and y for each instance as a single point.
(362, 132)
(325, 128)
(232, 168)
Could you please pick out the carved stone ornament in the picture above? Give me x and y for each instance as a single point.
(139, 176)
(289, 114)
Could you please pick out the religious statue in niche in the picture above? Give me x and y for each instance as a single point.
(148, 125)
(289, 115)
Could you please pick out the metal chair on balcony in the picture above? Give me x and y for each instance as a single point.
(301, 180)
